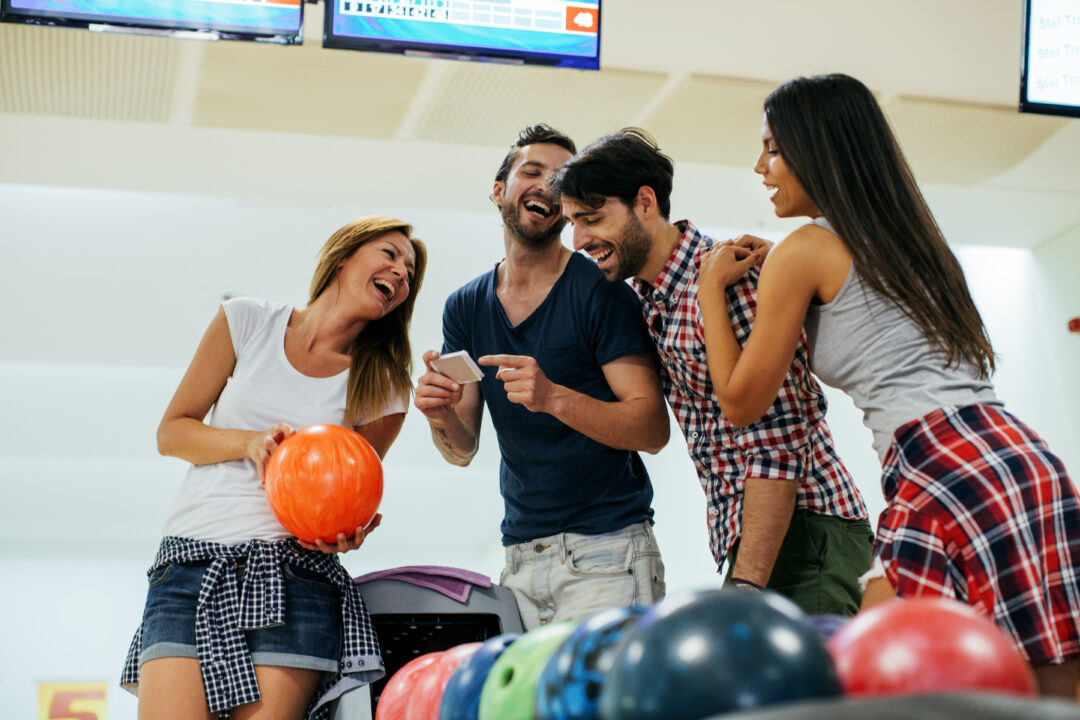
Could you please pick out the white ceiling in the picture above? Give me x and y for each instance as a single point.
(83, 109)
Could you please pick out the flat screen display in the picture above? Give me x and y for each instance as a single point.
(1050, 75)
(549, 32)
(270, 20)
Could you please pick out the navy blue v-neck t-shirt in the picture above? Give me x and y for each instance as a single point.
(554, 479)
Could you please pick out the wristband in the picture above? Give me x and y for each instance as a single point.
(740, 584)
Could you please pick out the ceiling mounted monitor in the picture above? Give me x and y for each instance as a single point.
(1050, 66)
(544, 32)
(277, 21)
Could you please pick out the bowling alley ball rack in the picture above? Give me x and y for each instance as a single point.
(411, 620)
(405, 636)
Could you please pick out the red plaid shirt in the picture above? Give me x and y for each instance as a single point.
(791, 442)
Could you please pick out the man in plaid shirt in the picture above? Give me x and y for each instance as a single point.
(782, 509)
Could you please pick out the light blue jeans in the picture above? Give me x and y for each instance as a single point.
(570, 576)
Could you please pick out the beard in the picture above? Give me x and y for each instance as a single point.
(537, 237)
(632, 251)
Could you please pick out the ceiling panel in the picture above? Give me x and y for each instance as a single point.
(1052, 166)
(960, 144)
(305, 88)
(60, 71)
(711, 120)
(488, 104)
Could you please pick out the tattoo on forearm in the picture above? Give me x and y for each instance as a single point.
(446, 447)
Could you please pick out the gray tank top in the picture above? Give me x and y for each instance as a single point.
(863, 344)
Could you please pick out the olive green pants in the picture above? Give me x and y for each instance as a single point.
(820, 562)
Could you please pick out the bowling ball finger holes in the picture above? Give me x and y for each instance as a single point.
(506, 677)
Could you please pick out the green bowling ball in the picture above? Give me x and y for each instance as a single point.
(510, 689)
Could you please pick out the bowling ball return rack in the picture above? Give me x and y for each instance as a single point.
(411, 620)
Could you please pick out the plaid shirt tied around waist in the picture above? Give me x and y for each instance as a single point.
(791, 442)
(227, 608)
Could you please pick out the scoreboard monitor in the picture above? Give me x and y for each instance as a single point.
(261, 20)
(1050, 64)
(561, 33)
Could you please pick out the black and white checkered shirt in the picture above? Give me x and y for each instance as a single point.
(226, 609)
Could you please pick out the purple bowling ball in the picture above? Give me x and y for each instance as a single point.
(825, 624)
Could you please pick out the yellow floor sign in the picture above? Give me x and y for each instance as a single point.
(71, 701)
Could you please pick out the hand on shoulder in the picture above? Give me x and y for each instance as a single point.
(811, 257)
(723, 265)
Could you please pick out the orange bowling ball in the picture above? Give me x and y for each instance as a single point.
(323, 480)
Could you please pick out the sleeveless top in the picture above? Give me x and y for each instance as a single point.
(225, 502)
(862, 343)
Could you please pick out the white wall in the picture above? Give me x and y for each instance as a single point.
(123, 284)
(1057, 269)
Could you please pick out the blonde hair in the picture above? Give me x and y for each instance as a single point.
(381, 353)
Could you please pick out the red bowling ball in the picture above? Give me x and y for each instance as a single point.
(323, 480)
(427, 694)
(927, 645)
(394, 699)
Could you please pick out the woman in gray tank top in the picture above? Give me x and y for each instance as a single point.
(978, 508)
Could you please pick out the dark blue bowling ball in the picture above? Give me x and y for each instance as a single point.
(825, 625)
(704, 653)
(569, 685)
(461, 698)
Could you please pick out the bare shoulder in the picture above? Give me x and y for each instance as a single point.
(813, 255)
(809, 240)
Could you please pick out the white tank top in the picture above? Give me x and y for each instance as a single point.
(863, 344)
(225, 502)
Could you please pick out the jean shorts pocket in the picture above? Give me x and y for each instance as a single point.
(601, 557)
(649, 569)
(161, 575)
(306, 577)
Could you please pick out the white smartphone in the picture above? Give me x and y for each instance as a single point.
(458, 366)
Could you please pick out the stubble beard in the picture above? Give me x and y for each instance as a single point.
(511, 215)
(632, 252)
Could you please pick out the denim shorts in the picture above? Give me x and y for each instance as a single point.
(310, 638)
(569, 576)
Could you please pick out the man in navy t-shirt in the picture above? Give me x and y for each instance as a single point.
(573, 391)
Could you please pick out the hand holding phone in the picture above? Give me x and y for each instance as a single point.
(458, 366)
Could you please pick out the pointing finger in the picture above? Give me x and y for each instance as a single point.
(503, 360)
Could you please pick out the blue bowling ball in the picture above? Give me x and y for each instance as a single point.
(701, 654)
(461, 698)
(569, 685)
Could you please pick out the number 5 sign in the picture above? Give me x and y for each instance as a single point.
(71, 701)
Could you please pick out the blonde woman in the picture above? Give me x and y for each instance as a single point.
(242, 620)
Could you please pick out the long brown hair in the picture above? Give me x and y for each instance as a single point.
(381, 353)
(835, 139)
